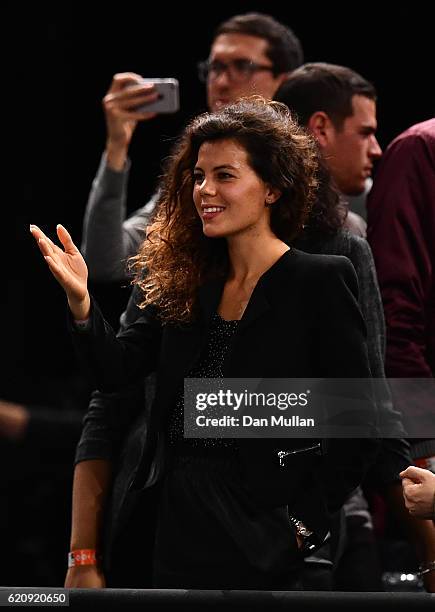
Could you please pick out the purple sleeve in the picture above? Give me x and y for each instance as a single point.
(401, 232)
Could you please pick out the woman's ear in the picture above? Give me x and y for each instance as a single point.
(272, 195)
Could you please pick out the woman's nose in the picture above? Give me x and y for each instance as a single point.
(207, 187)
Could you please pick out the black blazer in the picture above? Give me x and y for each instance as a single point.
(302, 320)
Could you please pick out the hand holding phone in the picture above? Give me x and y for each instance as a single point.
(129, 100)
(168, 96)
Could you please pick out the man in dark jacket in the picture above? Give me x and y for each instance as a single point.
(339, 107)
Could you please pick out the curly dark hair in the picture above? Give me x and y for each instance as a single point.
(176, 255)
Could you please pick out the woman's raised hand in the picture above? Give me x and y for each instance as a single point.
(68, 267)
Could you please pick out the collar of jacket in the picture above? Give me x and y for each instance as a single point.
(209, 294)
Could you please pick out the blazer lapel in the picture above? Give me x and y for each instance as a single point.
(259, 302)
(209, 296)
(211, 293)
(257, 305)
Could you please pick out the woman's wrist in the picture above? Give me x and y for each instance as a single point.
(80, 309)
(80, 557)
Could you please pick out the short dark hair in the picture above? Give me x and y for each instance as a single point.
(284, 49)
(323, 87)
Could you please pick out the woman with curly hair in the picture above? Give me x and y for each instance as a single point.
(220, 293)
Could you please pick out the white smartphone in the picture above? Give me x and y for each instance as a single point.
(168, 100)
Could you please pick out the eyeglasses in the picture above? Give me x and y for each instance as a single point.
(238, 70)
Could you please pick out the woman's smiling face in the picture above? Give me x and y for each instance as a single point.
(229, 196)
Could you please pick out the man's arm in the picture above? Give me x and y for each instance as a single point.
(419, 531)
(401, 232)
(108, 239)
(394, 453)
(419, 492)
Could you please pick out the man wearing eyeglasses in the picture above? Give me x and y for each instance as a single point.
(250, 54)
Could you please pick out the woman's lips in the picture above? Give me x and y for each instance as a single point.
(210, 212)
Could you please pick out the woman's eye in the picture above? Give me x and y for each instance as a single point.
(225, 175)
(198, 178)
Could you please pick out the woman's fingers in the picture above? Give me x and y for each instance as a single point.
(48, 251)
(66, 240)
(68, 267)
(54, 267)
(45, 247)
(37, 233)
(58, 273)
(48, 247)
(55, 249)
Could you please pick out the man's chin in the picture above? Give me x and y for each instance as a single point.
(353, 191)
(219, 103)
(359, 188)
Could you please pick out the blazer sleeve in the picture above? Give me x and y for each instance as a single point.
(110, 416)
(115, 361)
(107, 422)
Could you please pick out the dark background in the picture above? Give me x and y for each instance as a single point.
(58, 64)
(64, 58)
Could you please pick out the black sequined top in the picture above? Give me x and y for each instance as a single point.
(209, 365)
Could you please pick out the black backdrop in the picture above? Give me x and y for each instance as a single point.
(62, 58)
(58, 60)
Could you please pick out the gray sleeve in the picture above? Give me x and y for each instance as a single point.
(394, 453)
(370, 302)
(356, 224)
(109, 239)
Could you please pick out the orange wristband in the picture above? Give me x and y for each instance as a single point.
(82, 556)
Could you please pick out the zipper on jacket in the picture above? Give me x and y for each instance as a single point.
(283, 454)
